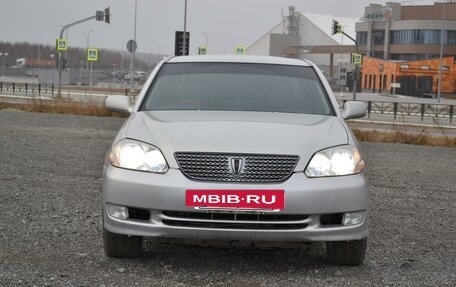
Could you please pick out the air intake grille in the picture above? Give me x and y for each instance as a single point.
(221, 167)
(223, 220)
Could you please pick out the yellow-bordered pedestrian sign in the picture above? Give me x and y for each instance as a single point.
(240, 50)
(357, 59)
(92, 54)
(202, 50)
(61, 44)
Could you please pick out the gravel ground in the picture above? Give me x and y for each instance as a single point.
(50, 222)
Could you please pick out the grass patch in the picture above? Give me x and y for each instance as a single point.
(404, 136)
(61, 106)
(409, 134)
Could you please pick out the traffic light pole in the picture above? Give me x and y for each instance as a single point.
(59, 59)
(104, 15)
(355, 77)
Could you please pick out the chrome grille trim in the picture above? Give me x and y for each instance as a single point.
(258, 168)
(234, 220)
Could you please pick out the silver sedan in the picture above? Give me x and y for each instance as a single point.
(236, 148)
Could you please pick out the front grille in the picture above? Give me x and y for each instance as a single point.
(258, 168)
(231, 220)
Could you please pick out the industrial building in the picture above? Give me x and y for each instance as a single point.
(310, 34)
(391, 38)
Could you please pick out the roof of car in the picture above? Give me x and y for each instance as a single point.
(238, 59)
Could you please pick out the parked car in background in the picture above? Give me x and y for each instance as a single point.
(236, 148)
(118, 75)
(138, 76)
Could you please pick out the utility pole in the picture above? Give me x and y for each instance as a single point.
(87, 35)
(337, 28)
(439, 88)
(159, 47)
(185, 31)
(132, 56)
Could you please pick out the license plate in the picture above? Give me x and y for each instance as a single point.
(236, 199)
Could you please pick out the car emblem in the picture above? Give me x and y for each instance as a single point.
(236, 165)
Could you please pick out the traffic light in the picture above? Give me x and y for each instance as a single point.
(99, 16)
(336, 27)
(107, 16)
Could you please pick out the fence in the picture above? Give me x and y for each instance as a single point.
(408, 109)
(395, 109)
(30, 89)
(26, 88)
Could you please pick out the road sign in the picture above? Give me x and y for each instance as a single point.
(179, 43)
(92, 54)
(357, 59)
(240, 50)
(61, 44)
(132, 46)
(202, 50)
(396, 85)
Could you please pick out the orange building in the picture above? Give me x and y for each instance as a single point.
(416, 78)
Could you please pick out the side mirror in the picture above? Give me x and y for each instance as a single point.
(120, 104)
(354, 110)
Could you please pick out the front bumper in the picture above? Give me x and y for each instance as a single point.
(164, 194)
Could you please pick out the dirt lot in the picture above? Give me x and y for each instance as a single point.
(50, 231)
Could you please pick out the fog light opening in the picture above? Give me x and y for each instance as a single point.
(117, 211)
(353, 218)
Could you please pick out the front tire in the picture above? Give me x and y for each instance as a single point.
(346, 252)
(122, 246)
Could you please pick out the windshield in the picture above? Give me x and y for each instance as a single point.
(237, 87)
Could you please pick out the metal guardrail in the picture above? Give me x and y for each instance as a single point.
(26, 88)
(408, 109)
(49, 89)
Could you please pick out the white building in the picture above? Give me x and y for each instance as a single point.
(306, 29)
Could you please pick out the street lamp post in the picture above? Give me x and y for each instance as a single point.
(3, 56)
(39, 60)
(53, 74)
(439, 87)
(150, 52)
(132, 56)
(185, 31)
(342, 81)
(87, 58)
(87, 35)
(206, 36)
(81, 72)
(159, 50)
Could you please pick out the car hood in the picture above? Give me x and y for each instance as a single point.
(236, 132)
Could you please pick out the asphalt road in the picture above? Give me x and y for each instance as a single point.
(50, 224)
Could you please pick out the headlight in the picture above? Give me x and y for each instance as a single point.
(136, 155)
(341, 160)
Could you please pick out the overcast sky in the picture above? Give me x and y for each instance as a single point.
(229, 22)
